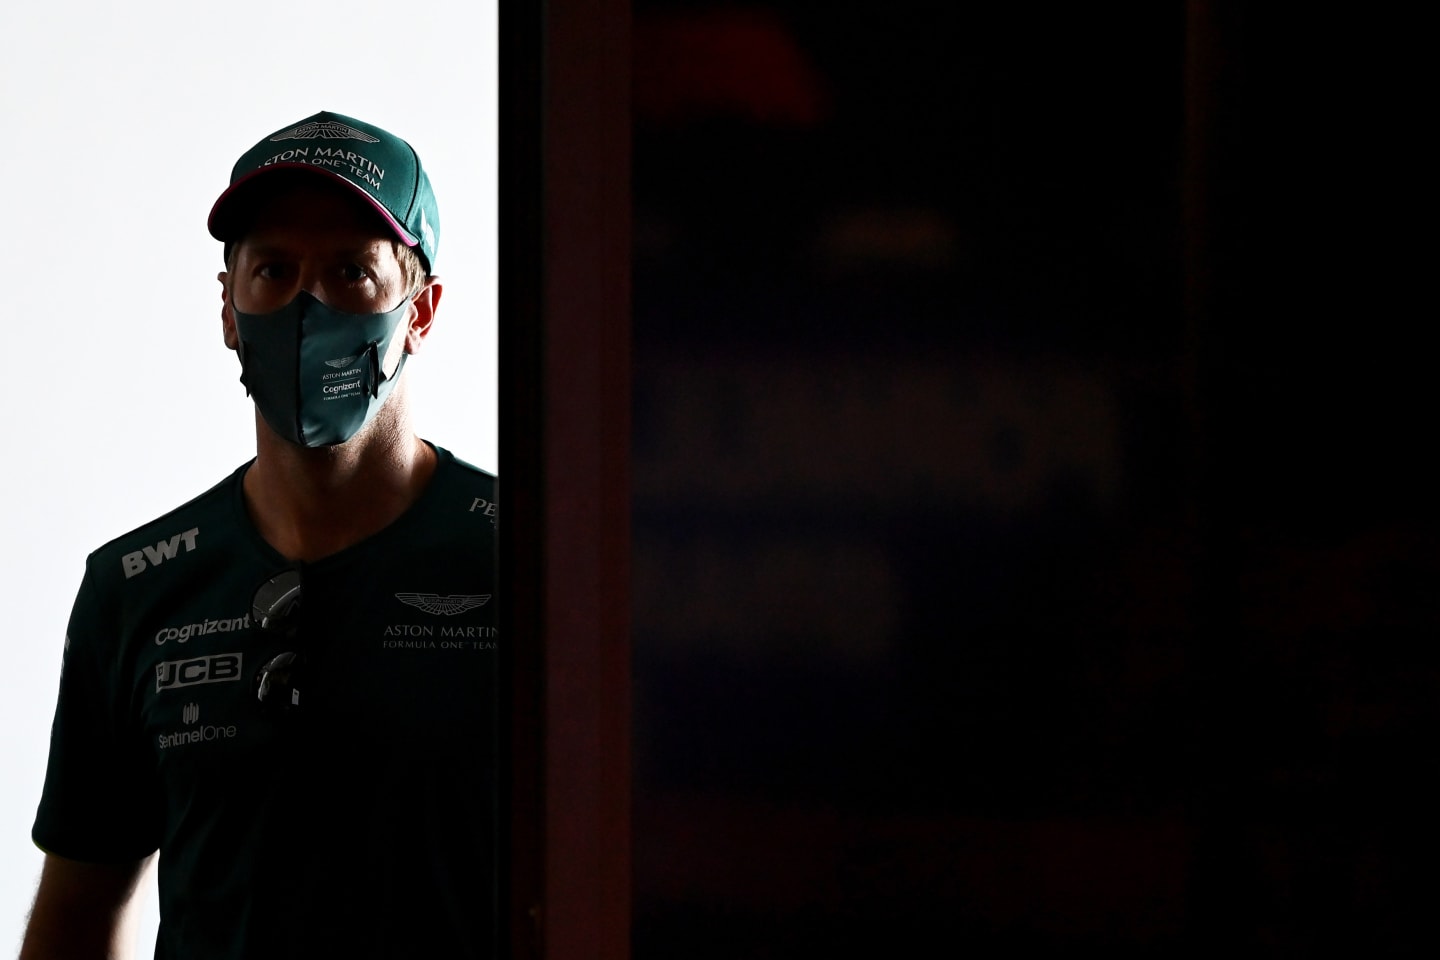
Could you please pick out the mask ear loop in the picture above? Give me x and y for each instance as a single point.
(244, 367)
(372, 351)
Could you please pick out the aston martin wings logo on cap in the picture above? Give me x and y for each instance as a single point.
(341, 362)
(325, 130)
(448, 606)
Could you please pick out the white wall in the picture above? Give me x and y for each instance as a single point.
(118, 127)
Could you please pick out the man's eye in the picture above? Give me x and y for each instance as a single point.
(272, 271)
(354, 273)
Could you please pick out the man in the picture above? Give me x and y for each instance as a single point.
(287, 685)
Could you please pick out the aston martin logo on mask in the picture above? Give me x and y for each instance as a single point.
(325, 130)
(449, 606)
(341, 362)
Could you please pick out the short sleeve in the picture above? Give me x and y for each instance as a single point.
(100, 802)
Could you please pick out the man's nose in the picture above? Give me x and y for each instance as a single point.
(312, 281)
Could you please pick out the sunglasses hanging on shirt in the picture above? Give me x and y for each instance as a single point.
(276, 610)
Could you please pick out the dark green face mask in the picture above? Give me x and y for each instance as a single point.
(313, 371)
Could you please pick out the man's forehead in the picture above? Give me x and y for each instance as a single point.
(279, 242)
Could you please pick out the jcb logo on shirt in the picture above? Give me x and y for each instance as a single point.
(142, 560)
(219, 668)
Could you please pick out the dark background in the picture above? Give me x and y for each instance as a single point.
(1033, 542)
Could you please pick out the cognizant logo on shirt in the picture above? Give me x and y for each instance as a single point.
(202, 628)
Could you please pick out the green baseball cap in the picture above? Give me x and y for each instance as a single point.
(378, 166)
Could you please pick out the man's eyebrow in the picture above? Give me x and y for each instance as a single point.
(370, 250)
(264, 250)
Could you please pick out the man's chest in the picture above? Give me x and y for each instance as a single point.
(385, 659)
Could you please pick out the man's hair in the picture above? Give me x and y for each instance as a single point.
(412, 265)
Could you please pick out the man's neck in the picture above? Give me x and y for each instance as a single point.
(309, 504)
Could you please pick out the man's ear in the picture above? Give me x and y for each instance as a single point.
(227, 314)
(426, 302)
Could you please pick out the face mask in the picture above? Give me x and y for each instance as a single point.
(313, 371)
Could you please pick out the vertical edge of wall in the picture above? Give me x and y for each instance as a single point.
(519, 824)
(565, 335)
(586, 350)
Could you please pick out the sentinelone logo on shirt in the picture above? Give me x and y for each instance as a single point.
(201, 734)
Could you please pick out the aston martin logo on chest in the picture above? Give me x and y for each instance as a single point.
(447, 606)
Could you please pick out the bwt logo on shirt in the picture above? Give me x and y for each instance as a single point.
(219, 668)
(142, 560)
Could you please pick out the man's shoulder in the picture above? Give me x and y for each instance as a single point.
(173, 529)
(461, 486)
(456, 472)
(449, 461)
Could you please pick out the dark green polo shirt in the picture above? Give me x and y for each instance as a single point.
(361, 823)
